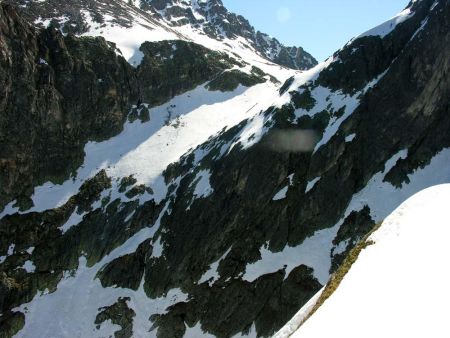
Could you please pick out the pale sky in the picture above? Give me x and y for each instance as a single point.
(319, 26)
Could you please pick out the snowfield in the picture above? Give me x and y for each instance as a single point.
(398, 285)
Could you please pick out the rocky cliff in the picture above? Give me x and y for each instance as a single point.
(227, 199)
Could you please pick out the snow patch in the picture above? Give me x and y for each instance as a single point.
(350, 138)
(29, 266)
(313, 252)
(202, 184)
(212, 274)
(388, 26)
(311, 184)
(280, 195)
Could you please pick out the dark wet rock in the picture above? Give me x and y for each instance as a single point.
(303, 100)
(50, 91)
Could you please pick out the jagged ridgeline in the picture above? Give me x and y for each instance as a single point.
(179, 188)
(179, 18)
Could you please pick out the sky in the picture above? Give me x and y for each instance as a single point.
(319, 26)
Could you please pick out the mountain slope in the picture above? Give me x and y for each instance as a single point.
(205, 22)
(383, 290)
(222, 212)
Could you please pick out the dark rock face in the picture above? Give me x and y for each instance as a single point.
(57, 92)
(407, 109)
(268, 302)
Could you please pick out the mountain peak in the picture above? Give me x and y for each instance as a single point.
(213, 19)
(166, 19)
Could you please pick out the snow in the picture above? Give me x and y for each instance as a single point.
(73, 220)
(212, 274)
(202, 186)
(313, 252)
(350, 103)
(311, 184)
(11, 249)
(387, 27)
(385, 293)
(196, 332)
(341, 247)
(129, 39)
(29, 266)
(280, 195)
(10, 252)
(350, 138)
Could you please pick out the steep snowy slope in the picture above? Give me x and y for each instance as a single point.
(227, 199)
(396, 287)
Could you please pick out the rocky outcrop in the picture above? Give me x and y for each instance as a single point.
(57, 92)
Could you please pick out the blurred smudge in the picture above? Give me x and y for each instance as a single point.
(292, 141)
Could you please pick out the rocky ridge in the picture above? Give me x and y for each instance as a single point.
(208, 18)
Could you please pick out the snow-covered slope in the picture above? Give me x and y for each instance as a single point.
(398, 285)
